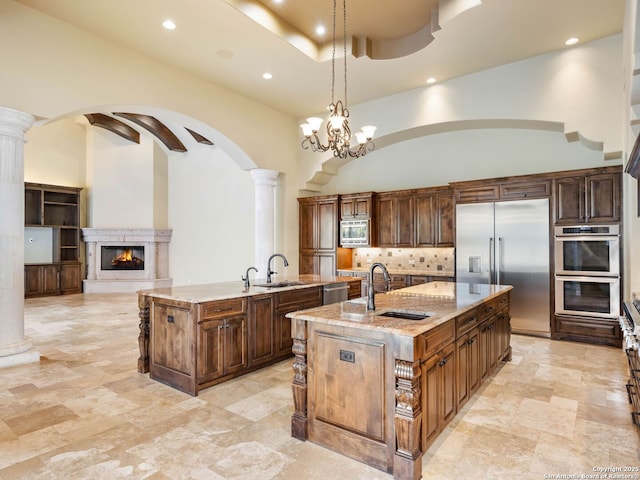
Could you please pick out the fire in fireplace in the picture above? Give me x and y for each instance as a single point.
(122, 258)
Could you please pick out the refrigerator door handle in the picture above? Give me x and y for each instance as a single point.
(499, 262)
(491, 261)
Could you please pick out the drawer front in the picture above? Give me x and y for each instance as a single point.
(467, 321)
(588, 327)
(222, 308)
(302, 295)
(438, 338)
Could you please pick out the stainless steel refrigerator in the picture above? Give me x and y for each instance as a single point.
(507, 243)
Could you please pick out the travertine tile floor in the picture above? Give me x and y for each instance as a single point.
(85, 413)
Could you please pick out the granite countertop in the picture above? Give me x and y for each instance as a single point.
(226, 290)
(442, 301)
(400, 271)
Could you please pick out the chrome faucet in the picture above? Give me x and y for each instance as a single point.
(271, 272)
(371, 304)
(246, 276)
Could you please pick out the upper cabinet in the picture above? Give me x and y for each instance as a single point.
(589, 198)
(511, 188)
(356, 206)
(318, 221)
(416, 218)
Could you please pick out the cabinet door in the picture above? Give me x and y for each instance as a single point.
(448, 384)
(385, 219)
(307, 219)
(235, 344)
(284, 342)
(172, 338)
(463, 364)
(51, 279)
(70, 278)
(430, 400)
(347, 208)
(473, 355)
(210, 350)
(261, 329)
(326, 264)
(570, 203)
(33, 280)
(425, 221)
(603, 198)
(327, 225)
(445, 225)
(362, 207)
(405, 222)
(307, 261)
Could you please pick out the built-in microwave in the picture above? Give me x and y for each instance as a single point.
(355, 233)
(592, 250)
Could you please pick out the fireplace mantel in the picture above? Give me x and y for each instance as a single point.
(156, 265)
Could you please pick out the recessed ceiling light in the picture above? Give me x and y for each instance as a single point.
(572, 41)
(320, 30)
(431, 80)
(169, 25)
(267, 76)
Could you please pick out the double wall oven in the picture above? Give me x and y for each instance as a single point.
(587, 271)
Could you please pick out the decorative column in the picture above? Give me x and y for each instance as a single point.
(265, 181)
(15, 349)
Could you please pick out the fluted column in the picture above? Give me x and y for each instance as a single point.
(265, 182)
(15, 349)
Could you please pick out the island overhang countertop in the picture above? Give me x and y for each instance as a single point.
(441, 301)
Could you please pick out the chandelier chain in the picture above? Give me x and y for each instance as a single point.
(333, 57)
(344, 42)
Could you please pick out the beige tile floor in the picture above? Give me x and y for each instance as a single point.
(84, 412)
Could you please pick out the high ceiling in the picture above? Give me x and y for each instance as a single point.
(233, 42)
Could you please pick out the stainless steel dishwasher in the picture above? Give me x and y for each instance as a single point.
(335, 292)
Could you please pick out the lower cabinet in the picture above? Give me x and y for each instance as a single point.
(287, 302)
(438, 393)
(222, 347)
(467, 366)
(52, 279)
(262, 329)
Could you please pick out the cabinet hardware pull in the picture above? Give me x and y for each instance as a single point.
(472, 319)
(220, 327)
(216, 310)
(442, 362)
(471, 340)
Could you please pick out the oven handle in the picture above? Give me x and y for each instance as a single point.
(586, 238)
(584, 278)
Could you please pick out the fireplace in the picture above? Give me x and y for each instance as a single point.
(122, 257)
(126, 260)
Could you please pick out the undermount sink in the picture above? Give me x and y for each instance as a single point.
(405, 314)
(278, 284)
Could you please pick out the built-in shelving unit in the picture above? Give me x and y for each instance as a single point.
(57, 208)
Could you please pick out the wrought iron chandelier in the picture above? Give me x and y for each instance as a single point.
(338, 130)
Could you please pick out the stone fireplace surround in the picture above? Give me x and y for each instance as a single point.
(156, 261)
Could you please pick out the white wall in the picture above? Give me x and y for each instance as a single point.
(457, 156)
(211, 208)
(576, 91)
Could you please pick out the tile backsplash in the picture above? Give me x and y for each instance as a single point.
(418, 259)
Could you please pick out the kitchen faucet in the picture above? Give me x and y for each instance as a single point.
(246, 276)
(271, 272)
(371, 304)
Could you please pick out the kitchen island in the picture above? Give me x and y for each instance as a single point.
(193, 337)
(379, 386)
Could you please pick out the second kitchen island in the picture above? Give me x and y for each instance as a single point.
(379, 386)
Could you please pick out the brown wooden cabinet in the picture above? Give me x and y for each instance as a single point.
(507, 188)
(438, 393)
(58, 208)
(261, 329)
(287, 302)
(590, 330)
(318, 236)
(394, 218)
(47, 279)
(590, 198)
(416, 218)
(356, 206)
(434, 218)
